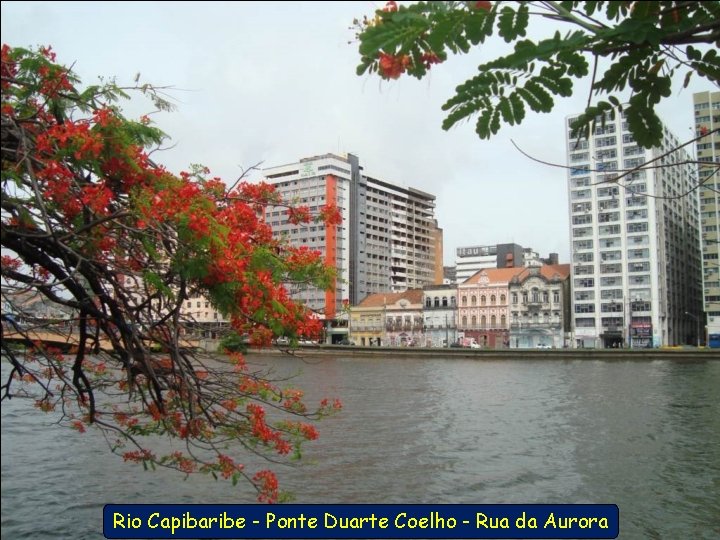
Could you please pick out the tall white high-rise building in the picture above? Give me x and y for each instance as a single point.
(707, 126)
(634, 233)
(385, 242)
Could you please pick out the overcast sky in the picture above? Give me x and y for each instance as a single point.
(272, 82)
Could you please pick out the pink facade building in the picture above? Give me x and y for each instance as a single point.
(483, 315)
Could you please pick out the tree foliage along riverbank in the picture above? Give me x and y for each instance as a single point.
(621, 45)
(90, 223)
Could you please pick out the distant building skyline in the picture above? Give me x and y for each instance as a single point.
(471, 259)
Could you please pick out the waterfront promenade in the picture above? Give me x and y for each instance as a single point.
(675, 353)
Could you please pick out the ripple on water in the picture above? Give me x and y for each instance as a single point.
(643, 435)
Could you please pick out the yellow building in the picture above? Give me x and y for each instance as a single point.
(389, 319)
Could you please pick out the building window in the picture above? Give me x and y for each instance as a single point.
(437, 301)
(514, 298)
(474, 321)
(483, 321)
(444, 301)
(640, 305)
(493, 300)
(428, 302)
(493, 321)
(473, 300)
(502, 299)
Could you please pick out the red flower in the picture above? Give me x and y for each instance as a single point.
(390, 6)
(391, 66)
(430, 58)
(267, 485)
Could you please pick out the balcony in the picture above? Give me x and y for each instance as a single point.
(536, 326)
(486, 328)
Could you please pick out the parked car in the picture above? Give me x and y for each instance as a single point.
(474, 345)
(543, 346)
(283, 341)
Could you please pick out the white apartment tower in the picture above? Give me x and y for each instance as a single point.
(707, 126)
(385, 242)
(634, 233)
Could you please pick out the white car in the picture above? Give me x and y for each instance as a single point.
(474, 345)
(543, 346)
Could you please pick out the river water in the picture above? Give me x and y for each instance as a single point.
(644, 435)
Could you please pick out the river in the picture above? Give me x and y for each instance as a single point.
(644, 435)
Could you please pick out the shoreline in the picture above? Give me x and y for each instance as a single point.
(682, 354)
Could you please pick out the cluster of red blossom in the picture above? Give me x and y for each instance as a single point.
(391, 66)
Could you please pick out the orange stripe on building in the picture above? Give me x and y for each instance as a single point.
(330, 245)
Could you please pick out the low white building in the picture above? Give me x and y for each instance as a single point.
(439, 315)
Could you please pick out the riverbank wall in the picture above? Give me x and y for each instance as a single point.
(681, 354)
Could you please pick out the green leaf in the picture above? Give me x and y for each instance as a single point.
(688, 75)
(693, 53)
(643, 123)
(536, 96)
(589, 7)
(482, 127)
(575, 63)
(479, 25)
(646, 9)
(505, 108)
(518, 107)
(512, 24)
(709, 66)
(389, 36)
(617, 9)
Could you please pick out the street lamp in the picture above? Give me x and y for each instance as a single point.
(697, 326)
